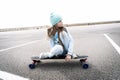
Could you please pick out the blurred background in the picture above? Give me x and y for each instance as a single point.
(29, 13)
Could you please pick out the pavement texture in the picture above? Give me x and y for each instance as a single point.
(17, 47)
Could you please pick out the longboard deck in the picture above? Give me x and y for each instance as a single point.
(82, 60)
(58, 58)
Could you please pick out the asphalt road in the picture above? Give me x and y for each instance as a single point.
(17, 47)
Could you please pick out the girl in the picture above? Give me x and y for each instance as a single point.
(60, 40)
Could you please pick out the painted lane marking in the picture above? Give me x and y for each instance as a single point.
(8, 76)
(19, 45)
(113, 43)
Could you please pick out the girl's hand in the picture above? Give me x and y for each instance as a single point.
(68, 57)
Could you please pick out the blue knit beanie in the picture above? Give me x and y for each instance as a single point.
(55, 18)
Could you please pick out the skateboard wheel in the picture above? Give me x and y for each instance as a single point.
(31, 66)
(85, 66)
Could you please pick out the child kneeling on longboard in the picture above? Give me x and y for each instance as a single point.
(60, 40)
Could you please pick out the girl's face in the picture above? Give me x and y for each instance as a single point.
(59, 24)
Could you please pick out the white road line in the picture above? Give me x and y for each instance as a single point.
(8, 76)
(19, 45)
(113, 43)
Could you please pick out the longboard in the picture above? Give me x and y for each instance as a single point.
(36, 60)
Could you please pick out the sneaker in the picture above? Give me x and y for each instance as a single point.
(44, 55)
(35, 58)
(74, 56)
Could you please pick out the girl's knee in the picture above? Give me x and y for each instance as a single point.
(57, 49)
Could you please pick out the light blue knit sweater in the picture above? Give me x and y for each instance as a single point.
(66, 39)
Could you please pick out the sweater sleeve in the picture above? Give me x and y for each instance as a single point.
(70, 48)
(52, 42)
